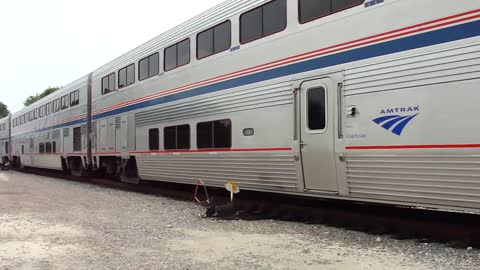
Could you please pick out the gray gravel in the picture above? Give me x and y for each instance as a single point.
(48, 223)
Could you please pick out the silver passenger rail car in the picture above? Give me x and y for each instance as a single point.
(364, 100)
(5, 140)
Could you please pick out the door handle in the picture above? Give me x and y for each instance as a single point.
(302, 144)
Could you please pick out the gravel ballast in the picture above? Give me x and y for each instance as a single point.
(48, 223)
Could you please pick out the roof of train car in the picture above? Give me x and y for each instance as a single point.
(198, 23)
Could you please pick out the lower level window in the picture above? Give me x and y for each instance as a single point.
(48, 147)
(153, 139)
(214, 134)
(41, 148)
(176, 137)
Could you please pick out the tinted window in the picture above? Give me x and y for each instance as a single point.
(143, 69)
(205, 44)
(177, 137)
(170, 138)
(41, 148)
(251, 25)
(263, 21)
(64, 101)
(214, 40)
(74, 98)
(205, 135)
(316, 108)
(126, 76)
(153, 139)
(274, 17)
(148, 67)
(313, 9)
(183, 137)
(77, 139)
(108, 84)
(131, 74)
(54, 147)
(177, 55)
(48, 147)
(216, 134)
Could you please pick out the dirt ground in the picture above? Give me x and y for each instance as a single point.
(48, 223)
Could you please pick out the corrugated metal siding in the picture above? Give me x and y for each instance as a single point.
(248, 99)
(252, 171)
(456, 64)
(444, 179)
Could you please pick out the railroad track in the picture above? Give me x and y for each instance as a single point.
(459, 230)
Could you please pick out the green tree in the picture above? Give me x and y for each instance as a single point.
(33, 99)
(3, 110)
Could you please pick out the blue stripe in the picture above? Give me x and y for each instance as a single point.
(449, 34)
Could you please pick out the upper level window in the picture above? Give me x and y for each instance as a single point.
(74, 98)
(108, 84)
(214, 40)
(64, 102)
(177, 137)
(177, 55)
(148, 67)
(263, 21)
(126, 76)
(49, 108)
(215, 134)
(314, 9)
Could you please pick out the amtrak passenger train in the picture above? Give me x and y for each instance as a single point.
(362, 100)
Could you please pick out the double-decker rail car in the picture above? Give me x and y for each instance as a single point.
(4, 140)
(365, 100)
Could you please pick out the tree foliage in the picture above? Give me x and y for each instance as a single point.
(33, 99)
(3, 110)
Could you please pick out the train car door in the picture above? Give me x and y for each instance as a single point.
(317, 99)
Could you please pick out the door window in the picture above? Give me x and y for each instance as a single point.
(316, 109)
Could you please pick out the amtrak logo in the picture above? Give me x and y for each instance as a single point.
(395, 120)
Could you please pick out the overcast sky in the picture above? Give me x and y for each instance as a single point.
(54, 42)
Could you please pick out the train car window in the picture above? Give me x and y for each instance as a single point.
(41, 148)
(54, 147)
(108, 84)
(74, 98)
(23, 149)
(177, 55)
(59, 105)
(30, 116)
(214, 40)
(65, 102)
(41, 111)
(176, 137)
(263, 21)
(126, 76)
(310, 10)
(316, 108)
(148, 67)
(154, 139)
(48, 147)
(77, 139)
(215, 134)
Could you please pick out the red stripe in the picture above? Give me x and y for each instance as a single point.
(213, 150)
(425, 146)
(417, 28)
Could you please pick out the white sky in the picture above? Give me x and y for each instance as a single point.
(54, 42)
